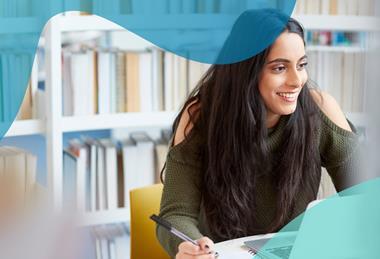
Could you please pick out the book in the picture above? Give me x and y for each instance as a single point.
(69, 180)
(347, 82)
(101, 180)
(133, 82)
(104, 78)
(130, 168)
(145, 82)
(112, 82)
(120, 82)
(158, 79)
(92, 156)
(79, 151)
(145, 167)
(111, 173)
(169, 81)
(18, 172)
(26, 109)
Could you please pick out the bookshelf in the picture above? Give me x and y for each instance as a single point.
(26, 127)
(113, 121)
(339, 22)
(54, 124)
(104, 217)
(336, 49)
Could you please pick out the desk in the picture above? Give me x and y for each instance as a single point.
(235, 248)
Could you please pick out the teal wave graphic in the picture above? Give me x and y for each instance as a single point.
(346, 225)
(194, 29)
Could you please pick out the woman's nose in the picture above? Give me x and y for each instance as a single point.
(294, 79)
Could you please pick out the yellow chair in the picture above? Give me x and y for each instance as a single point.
(145, 202)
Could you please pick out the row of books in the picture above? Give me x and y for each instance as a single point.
(99, 173)
(170, 6)
(336, 38)
(17, 175)
(341, 74)
(110, 241)
(326, 7)
(19, 8)
(336, 7)
(110, 81)
(11, 85)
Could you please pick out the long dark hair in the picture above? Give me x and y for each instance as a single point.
(228, 113)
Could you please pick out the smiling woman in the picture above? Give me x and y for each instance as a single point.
(249, 145)
(283, 76)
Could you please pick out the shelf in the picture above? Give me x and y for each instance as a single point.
(26, 127)
(335, 48)
(21, 25)
(339, 22)
(121, 120)
(104, 217)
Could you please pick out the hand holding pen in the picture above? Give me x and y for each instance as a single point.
(200, 249)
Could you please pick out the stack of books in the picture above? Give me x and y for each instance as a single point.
(336, 38)
(162, 7)
(336, 7)
(342, 74)
(113, 81)
(17, 175)
(110, 241)
(14, 88)
(99, 173)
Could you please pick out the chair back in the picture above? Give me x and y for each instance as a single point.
(145, 202)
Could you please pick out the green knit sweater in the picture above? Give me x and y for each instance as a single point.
(182, 195)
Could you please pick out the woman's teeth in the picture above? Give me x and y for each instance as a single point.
(288, 97)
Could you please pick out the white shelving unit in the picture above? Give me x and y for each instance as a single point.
(339, 22)
(113, 121)
(26, 127)
(55, 125)
(104, 217)
(335, 49)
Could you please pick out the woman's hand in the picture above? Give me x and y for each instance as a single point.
(205, 250)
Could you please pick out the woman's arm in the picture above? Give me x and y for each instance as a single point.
(181, 198)
(339, 146)
(330, 107)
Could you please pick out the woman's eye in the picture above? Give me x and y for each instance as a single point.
(279, 69)
(303, 65)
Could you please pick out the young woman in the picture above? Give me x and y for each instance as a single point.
(248, 148)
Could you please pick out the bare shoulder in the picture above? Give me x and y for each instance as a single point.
(330, 108)
(185, 125)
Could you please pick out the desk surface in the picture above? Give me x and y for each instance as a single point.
(235, 248)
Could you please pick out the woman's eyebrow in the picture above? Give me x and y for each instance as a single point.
(284, 60)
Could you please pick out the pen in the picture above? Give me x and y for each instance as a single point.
(163, 223)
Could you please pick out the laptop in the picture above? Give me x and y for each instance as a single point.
(317, 233)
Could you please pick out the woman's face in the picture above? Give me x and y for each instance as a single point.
(283, 75)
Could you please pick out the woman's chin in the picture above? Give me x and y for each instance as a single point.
(288, 110)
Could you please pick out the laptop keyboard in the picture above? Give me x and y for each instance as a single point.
(282, 252)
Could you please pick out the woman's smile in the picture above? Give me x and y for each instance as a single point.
(289, 97)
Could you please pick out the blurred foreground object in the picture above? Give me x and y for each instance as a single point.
(28, 227)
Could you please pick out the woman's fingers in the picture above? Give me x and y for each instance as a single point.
(204, 250)
(189, 248)
(189, 256)
(206, 244)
